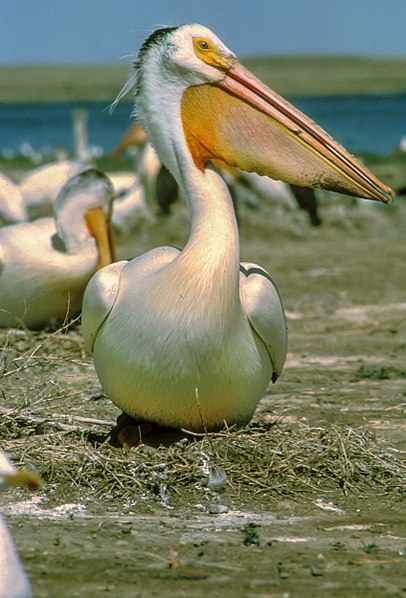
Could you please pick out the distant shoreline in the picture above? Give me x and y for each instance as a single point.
(289, 75)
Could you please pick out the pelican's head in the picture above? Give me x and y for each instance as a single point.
(188, 55)
(83, 207)
(229, 114)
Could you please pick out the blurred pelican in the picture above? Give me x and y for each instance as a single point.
(271, 191)
(46, 264)
(190, 338)
(12, 207)
(147, 163)
(13, 580)
(129, 206)
(41, 186)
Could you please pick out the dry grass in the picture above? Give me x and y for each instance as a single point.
(54, 419)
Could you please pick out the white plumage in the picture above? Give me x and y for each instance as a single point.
(12, 208)
(129, 206)
(190, 339)
(40, 187)
(13, 579)
(46, 264)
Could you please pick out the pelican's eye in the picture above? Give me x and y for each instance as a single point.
(203, 45)
(206, 51)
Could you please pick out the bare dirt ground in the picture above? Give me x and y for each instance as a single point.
(307, 501)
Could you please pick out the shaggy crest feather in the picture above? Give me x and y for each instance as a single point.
(132, 82)
(128, 86)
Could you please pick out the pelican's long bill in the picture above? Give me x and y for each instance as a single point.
(100, 228)
(24, 479)
(266, 134)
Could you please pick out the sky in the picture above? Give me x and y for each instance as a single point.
(111, 31)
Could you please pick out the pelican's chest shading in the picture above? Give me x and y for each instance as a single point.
(170, 302)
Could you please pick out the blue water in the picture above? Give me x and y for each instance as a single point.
(373, 124)
(48, 127)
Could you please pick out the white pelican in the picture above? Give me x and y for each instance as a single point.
(46, 264)
(135, 137)
(12, 207)
(147, 163)
(190, 339)
(129, 206)
(13, 580)
(41, 185)
(272, 191)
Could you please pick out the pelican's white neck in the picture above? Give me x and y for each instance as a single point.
(214, 230)
(213, 222)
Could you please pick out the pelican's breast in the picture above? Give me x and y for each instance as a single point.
(172, 354)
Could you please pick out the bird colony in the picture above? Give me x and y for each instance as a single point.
(183, 339)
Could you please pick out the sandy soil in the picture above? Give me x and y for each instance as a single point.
(107, 522)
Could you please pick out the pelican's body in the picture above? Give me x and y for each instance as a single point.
(13, 579)
(12, 208)
(190, 339)
(46, 264)
(130, 205)
(269, 190)
(189, 365)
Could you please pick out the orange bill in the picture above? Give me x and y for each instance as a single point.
(247, 125)
(135, 136)
(100, 227)
(23, 478)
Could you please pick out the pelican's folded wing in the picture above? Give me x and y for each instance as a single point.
(263, 306)
(99, 298)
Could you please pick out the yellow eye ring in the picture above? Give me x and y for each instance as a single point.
(203, 45)
(209, 53)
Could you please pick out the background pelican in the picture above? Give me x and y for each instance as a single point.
(12, 208)
(147, 163)
(190, 339)
(46, 264)
(35, 196)
(130, 207)
(40, 186)
(13, 580)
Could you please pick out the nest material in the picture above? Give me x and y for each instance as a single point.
(48, 419)
(263, 460)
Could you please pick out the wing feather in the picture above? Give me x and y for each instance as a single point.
(264, 309)
(98, 300)
(103, 289)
